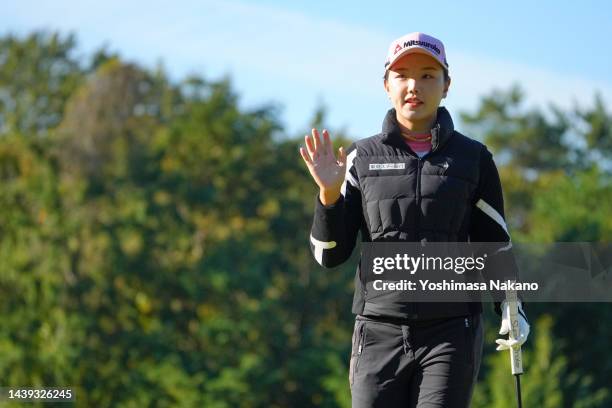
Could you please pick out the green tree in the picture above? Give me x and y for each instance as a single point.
(37, 75)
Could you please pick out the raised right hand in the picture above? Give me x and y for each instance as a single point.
(326, 171)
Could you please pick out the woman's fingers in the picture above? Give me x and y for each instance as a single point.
(317, 139)
(305, 156)
(309, 146)
(327, 144)
(341, 156)
(317, 146)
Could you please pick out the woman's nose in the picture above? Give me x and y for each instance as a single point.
(412, 85)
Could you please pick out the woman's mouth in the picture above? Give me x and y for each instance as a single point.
(413, 102)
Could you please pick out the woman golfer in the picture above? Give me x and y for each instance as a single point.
(418, 180)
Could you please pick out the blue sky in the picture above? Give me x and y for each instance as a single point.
(300, 54)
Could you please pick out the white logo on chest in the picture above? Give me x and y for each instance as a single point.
(387, 166)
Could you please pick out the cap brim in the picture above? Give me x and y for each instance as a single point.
(416, 50)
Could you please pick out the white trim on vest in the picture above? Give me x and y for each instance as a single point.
(347, 175)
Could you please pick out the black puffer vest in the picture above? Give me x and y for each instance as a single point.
(407, 198)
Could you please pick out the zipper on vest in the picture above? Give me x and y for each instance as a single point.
(418, 198)
(417, 228)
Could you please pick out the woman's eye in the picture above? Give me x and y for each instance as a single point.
(427, 76)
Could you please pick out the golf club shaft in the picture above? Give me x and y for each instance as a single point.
(516, 356)
(519, 398)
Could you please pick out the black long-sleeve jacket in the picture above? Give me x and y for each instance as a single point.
(452, 194)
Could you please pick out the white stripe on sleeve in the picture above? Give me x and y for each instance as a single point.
(491, 212)
(319, 246)
(506, 248)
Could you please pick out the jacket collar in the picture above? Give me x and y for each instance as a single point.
(440, 133)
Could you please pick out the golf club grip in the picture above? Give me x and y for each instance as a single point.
(516, 356)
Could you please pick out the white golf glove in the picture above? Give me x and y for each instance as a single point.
(505, 344)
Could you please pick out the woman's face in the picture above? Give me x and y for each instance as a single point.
(416, 85)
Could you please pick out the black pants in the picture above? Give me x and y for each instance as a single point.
(415, 364)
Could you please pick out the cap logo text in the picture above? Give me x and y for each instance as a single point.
(425, 44)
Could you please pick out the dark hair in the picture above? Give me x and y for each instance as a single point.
(446, 77)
